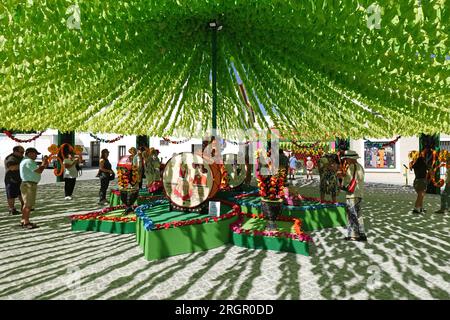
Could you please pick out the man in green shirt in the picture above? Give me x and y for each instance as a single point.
(30, 173)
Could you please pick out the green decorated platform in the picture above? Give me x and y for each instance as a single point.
(249, 232)
(175, 232)
(144, 197)
(110, 220)
(162, 232)
(315, 215)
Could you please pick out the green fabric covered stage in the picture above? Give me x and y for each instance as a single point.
(95, 224)
(162, 232)
(315, 215)
(159, 244)
(144, 197)
(259, 241)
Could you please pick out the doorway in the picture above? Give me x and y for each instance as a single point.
(95, 153)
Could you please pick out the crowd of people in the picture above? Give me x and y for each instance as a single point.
(145, 159)
(337, 172)
(23, 173)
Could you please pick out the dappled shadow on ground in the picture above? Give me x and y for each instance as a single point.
(407, 257)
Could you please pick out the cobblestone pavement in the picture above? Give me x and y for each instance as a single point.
(406, 257)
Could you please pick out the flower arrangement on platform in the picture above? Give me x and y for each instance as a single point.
(225, 179)
(149, 225)
(299, 235)
(290, 200)
(127, 177)
(99, 215)
(271, 187)
(444, 156)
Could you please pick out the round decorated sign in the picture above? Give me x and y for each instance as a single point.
(189, 180)
(236, 170)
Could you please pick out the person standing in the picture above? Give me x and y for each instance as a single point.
(420, 182)
(152, 167)
(355, 228)
(105, 174)
(322, 165)
(136, 160)
(283, 160)
(292, 166)
(30, 173)
(328, 178)
(309, 168)
(445, 195)
(70, 174)
(141, 164)
(12, 178)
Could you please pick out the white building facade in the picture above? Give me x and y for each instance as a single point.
(382, 162)
(387, 163)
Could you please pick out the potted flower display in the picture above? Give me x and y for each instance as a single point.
(271, 190)
(128, 180)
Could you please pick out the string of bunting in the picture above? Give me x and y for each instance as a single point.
(312, 84)
(238, 143)
(306, 147)
(10, 135)
(387, 144)
(176, 142)
(106, 140)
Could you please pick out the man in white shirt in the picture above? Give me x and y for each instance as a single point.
(30, 173)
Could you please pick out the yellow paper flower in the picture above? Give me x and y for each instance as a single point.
(53, 149)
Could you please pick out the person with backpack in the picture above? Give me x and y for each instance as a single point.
(70, 174)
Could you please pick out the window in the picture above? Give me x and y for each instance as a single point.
(445, 145)
(122, 151)
(379, 155)
(163, 142)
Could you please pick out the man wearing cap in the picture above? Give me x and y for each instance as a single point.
(12, 178)
(355, 229)
(30, 173)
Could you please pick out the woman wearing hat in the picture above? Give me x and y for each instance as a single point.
(355, 229)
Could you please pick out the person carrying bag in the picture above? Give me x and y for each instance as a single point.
(353, 185)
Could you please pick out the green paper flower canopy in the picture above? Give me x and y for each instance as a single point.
(320, 68)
